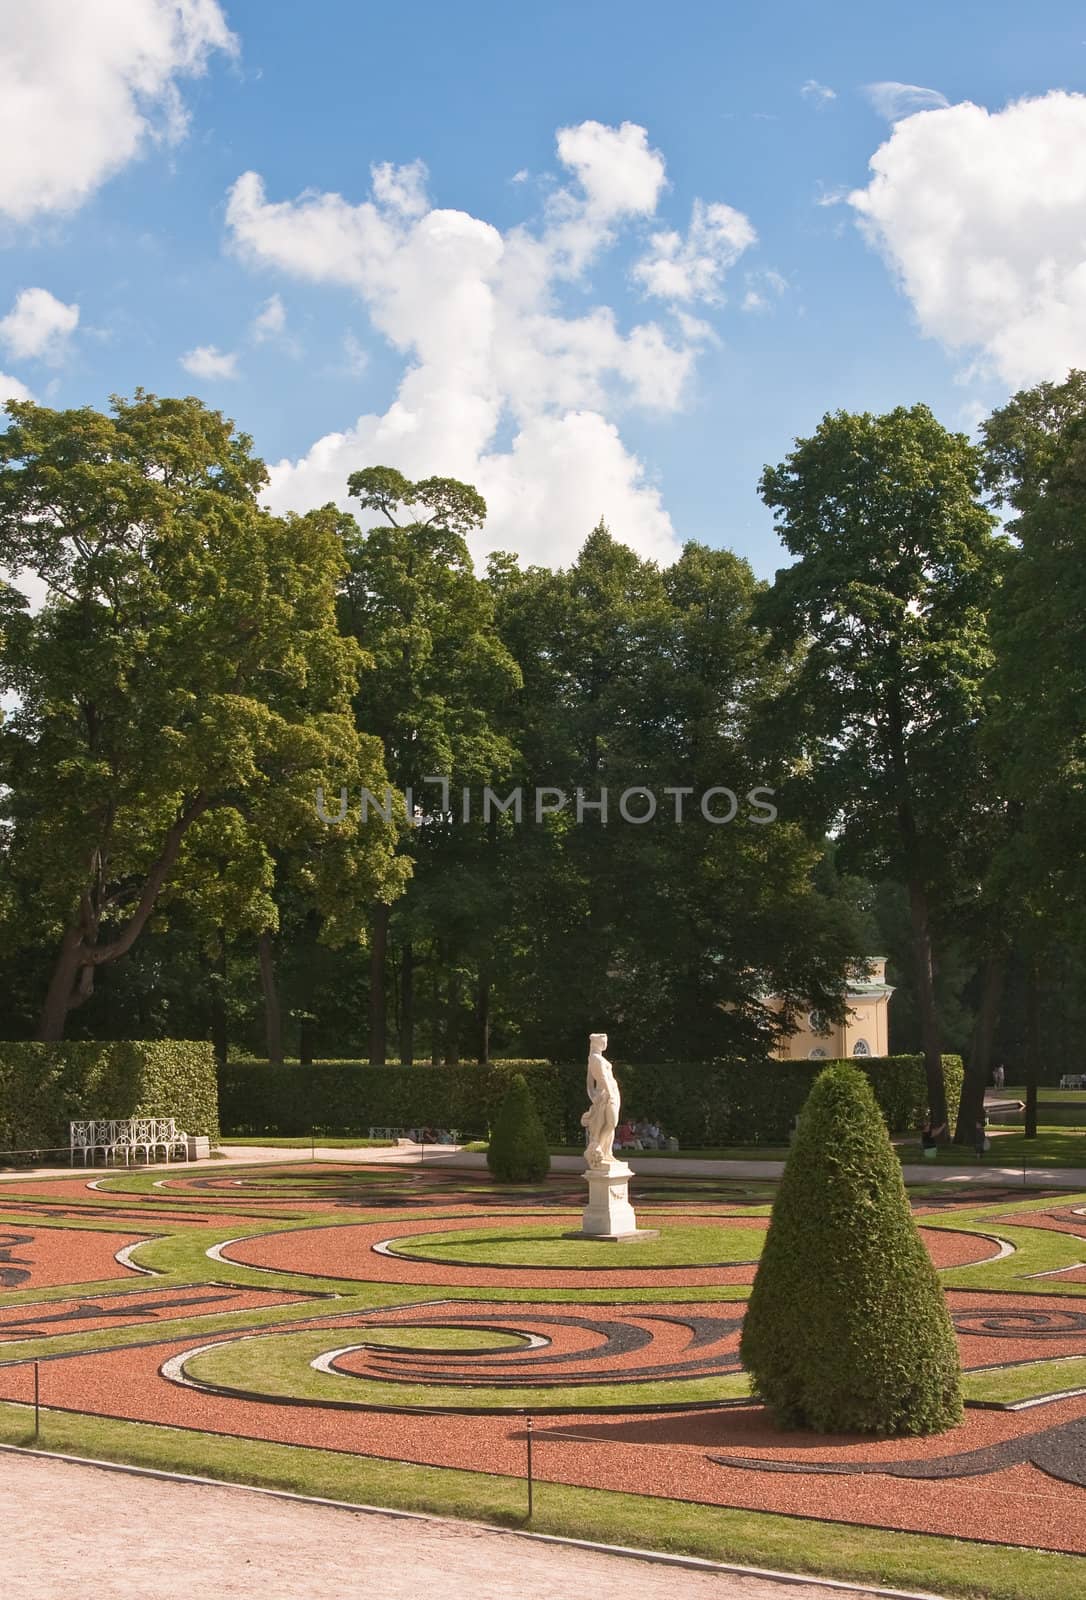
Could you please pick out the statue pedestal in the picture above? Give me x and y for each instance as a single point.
(609, 1214)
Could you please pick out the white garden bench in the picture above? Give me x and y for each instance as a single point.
(126, 1135)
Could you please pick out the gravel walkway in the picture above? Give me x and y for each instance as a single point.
(74, 1529)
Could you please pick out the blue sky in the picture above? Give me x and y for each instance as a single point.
(480, 319)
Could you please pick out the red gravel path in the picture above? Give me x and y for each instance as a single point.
(1019, 1505)
(53, 1256)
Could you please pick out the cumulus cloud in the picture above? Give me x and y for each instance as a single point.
(207, 361)
(502, 385)
(270, 320)
(980, 215)
(819, 94)
(693, 267)
(12, 389)
(38, 326)
(895, 100)
(83, 88)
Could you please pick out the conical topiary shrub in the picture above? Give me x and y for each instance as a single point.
(518, 1146)
(847, 1327)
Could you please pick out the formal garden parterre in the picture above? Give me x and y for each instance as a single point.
(420, 1317)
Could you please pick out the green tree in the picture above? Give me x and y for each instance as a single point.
(517, 1152)
(640, 678)
(888, 601)
(439, 672)
(847, 1327)
(182, 692)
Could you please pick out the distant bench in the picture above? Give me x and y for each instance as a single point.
(127, 1136)
(410, 1133)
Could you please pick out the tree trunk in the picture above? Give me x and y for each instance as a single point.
(482, 1018)
(919, 917)
(929, 1017)
(307, 1032)
(452, 1019)
(437, 1016)
(217, 982)
(378, 998)
(979, 1067)
(1033, 1047)
(73, 976)
(58, 997)
(407, 1006)
(273, 1023)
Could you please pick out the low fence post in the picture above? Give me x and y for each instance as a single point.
(528, 1436)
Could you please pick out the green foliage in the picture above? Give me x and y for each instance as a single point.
(518, 1146)
(45, 1086)
(701, 1103)
(847, 1329)
(180, 695)
(885, 615)
(636, 676)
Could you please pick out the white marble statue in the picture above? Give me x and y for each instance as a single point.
(601, 1118)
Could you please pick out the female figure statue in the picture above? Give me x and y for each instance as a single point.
(601, 1118)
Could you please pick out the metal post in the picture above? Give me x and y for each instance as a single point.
(528, 1432)
(37, 1405)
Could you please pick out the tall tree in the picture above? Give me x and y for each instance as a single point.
(186, 665)
(439, 671)
(888, 598)
(648, 685)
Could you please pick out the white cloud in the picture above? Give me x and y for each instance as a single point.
(502, 386)
(270, 320)
(819, 94)
(206, 361)
(402, 189)
(981, 216)
(763, 287)
(12, 389)
(693, 268)
(896, 100)
(356, 356)
(38, 326)
(84, 87)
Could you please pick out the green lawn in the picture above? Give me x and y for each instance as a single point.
(1028, 1382)
(518, 1246)
(279, 1364)
(1046, 1094)
(1053, 1147)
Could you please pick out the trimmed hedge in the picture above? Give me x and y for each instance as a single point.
(704, 1103)
(43, 1087)
(847, 1327)
(518, 1150)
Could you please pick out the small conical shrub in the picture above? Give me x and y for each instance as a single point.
(518, 1146)
(847, 1327)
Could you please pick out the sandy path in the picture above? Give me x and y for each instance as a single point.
(73, 1529)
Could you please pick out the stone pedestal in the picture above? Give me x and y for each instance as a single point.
(609, 1214)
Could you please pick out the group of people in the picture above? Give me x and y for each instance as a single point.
(430, 1136)
(640, 1136)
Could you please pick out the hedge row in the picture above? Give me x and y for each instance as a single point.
(702, 1103)
(43, 1087)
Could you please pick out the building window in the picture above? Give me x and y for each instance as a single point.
(817, 1054)
(861, 1048)
(817, 1021)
